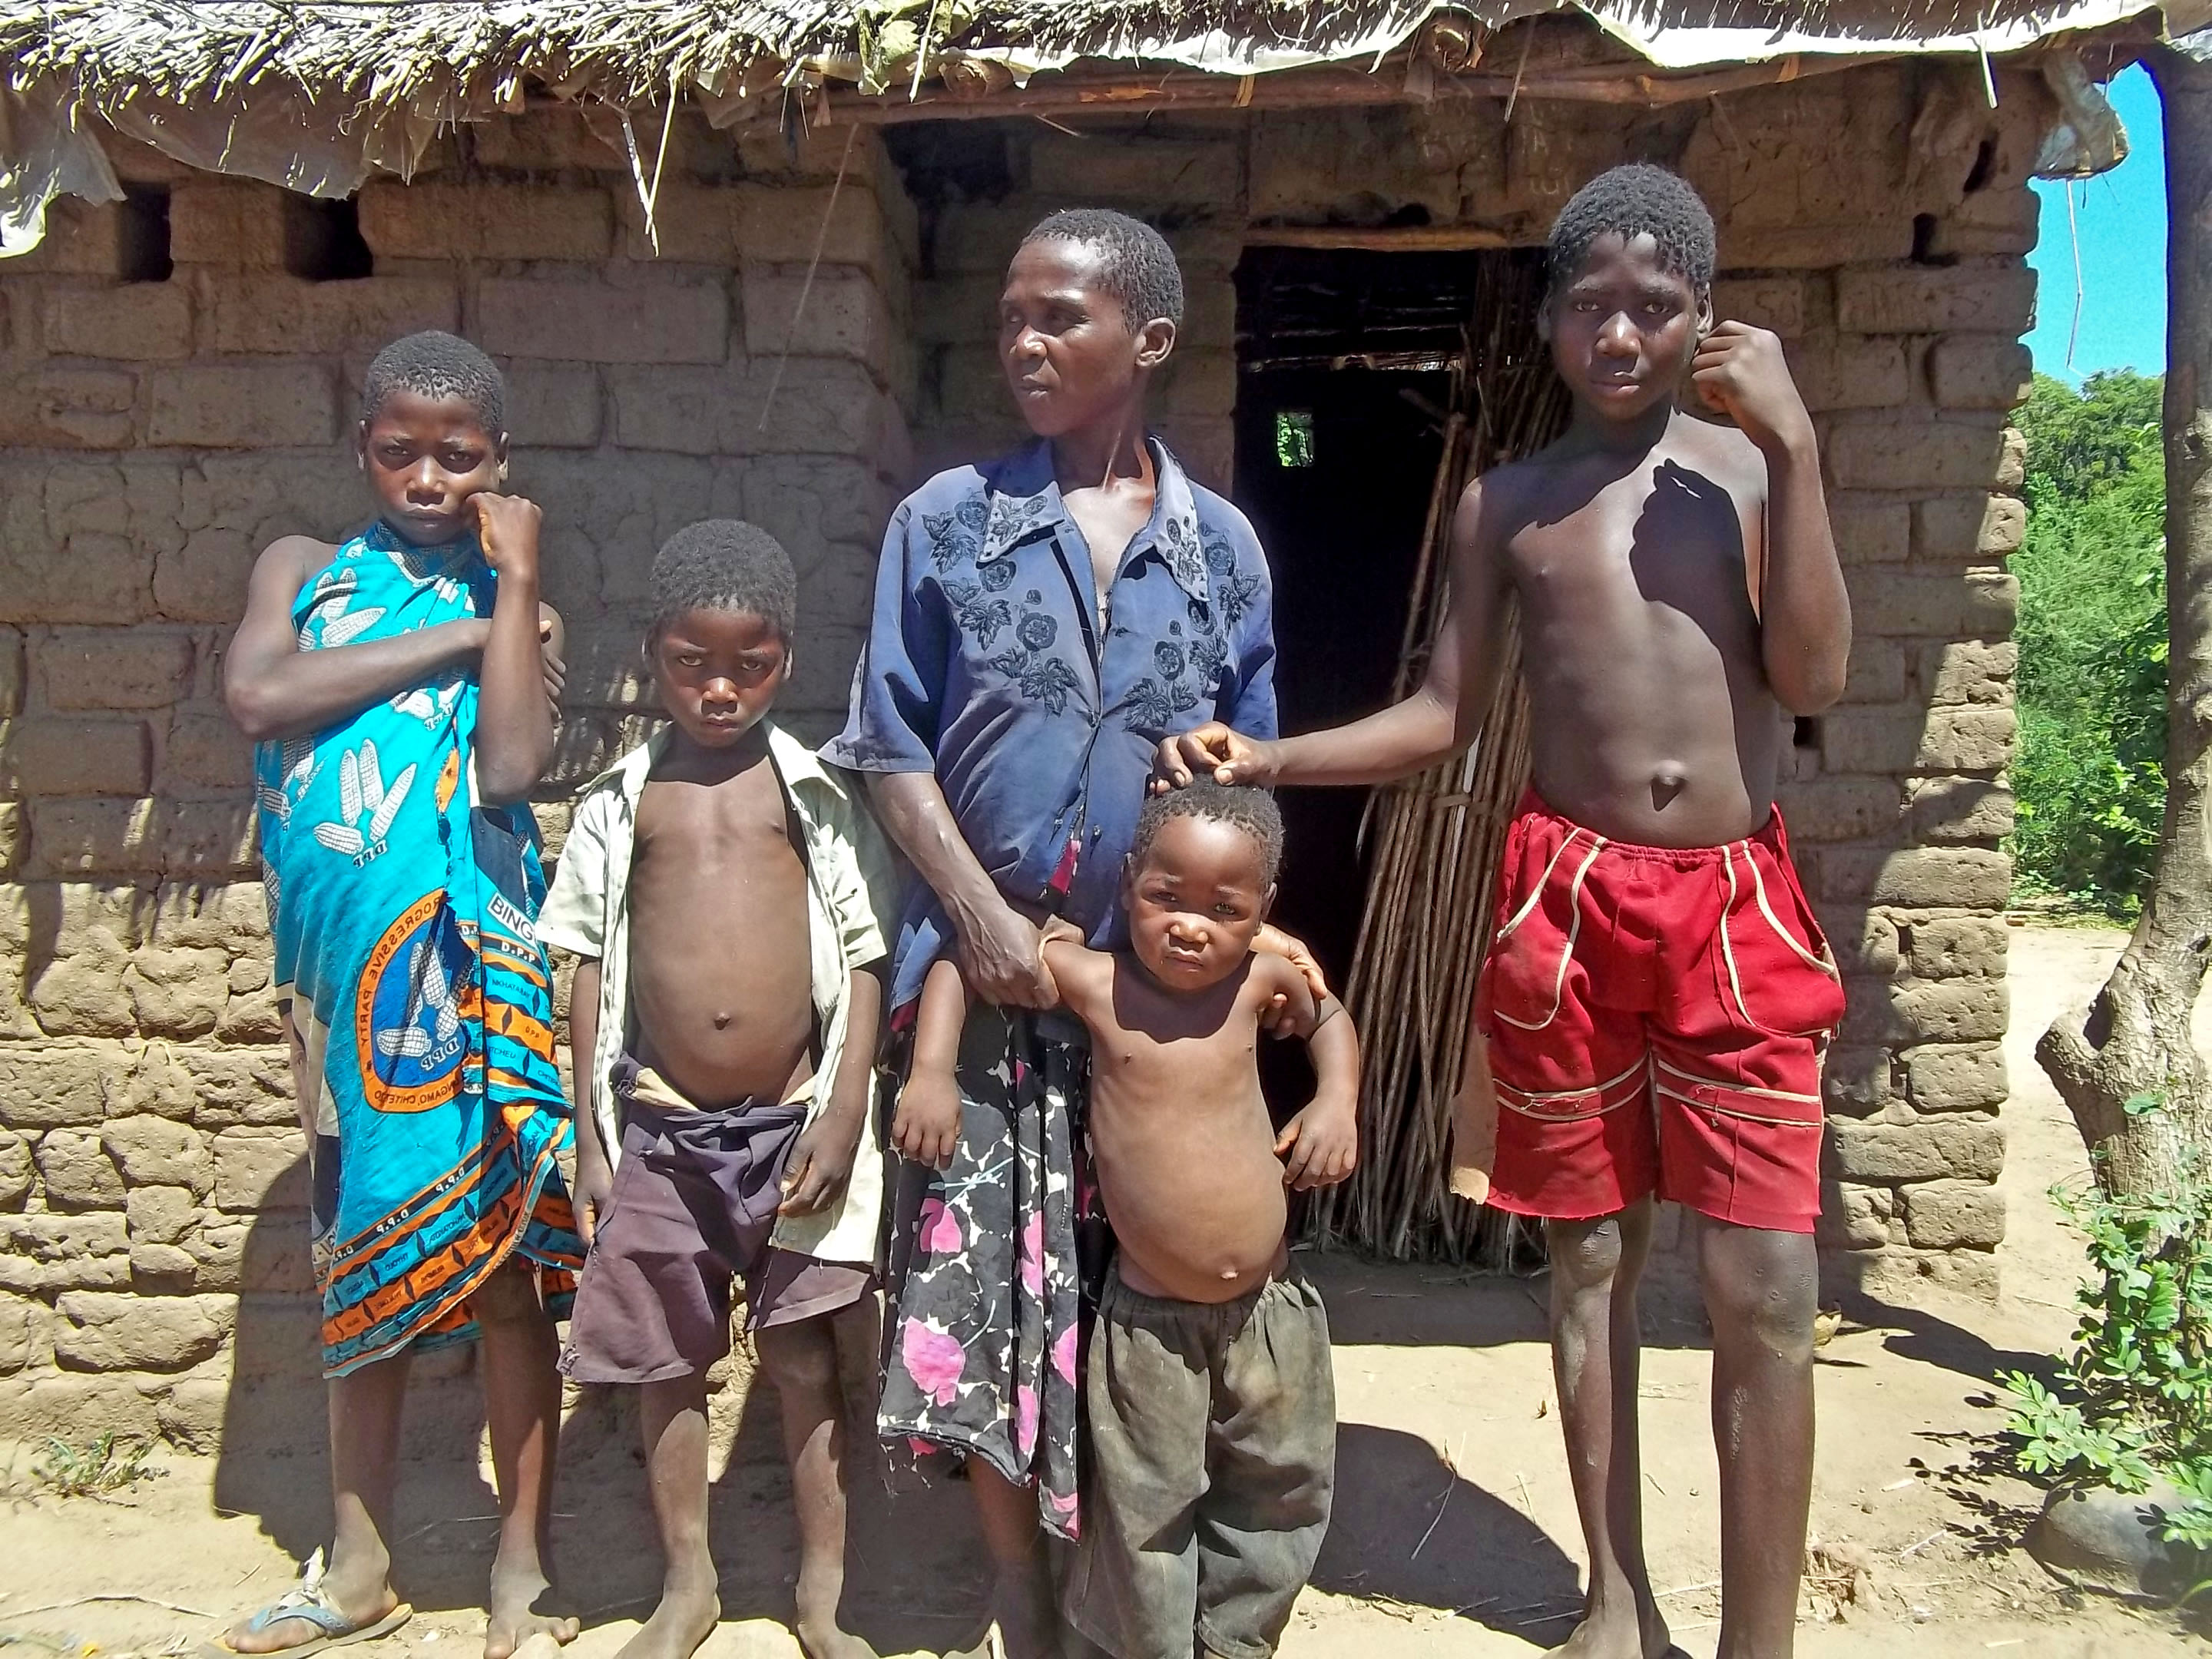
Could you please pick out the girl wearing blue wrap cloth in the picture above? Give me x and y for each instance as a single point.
(400, 688)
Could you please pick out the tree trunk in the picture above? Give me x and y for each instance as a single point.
(2130, 1047)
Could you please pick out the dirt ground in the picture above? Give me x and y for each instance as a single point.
(1454, 1531)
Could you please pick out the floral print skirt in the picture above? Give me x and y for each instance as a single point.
(987, 1278)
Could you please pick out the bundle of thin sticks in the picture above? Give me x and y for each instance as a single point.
(1433, 842)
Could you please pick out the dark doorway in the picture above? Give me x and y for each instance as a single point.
(1344, 362)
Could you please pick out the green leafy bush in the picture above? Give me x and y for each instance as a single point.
(2089, 771)
(2134, 1400)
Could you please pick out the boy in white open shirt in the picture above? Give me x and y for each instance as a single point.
(723, 888)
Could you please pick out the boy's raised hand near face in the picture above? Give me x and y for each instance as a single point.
(1740, 372)
(507, 525)
(1804, 608)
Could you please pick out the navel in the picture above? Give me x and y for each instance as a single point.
(721, 1022)
(1668, 782)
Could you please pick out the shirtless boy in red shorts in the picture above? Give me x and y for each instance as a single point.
(1658, 995)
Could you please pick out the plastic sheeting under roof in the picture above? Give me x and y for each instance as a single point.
(317, 96)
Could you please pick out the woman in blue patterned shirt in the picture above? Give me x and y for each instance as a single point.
(1042, 621)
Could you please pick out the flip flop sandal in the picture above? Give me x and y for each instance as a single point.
(309, 1602)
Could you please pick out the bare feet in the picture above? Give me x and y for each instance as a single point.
(1028, 1619)
(1639, 1633)
(820, 1592)
(513, 1612)
(690, 1602)
(826, 1639)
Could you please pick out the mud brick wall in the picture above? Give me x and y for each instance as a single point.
(1881, 231)
(1877, 221)
(159, 428)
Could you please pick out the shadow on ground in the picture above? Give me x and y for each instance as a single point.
(1408, 1529)
(914, 1557)
(1918, 1333)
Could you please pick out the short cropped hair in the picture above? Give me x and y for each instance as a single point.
(435, 364)
(725, 564)
(1252, 810)
(1637, 200)
(1135, 263)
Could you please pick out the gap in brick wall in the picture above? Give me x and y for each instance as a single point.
(946, 161)
(1923, 239)
(144, 255)
(1805, 731)
(323, 241)
(1985, 163)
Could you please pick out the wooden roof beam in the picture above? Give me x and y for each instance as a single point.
(1183, 89)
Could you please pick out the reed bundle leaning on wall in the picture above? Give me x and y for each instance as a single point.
(1433, 841)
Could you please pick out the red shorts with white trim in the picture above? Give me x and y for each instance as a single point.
(1656, 1018)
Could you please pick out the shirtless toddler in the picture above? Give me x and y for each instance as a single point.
(722, 887)
(1208, 1394)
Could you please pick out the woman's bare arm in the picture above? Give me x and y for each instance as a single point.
(997, 944)
(274, 690)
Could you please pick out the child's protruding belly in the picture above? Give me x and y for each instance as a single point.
(721, 991)
(1195, 1196)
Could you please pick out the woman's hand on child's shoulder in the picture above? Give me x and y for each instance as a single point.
(1289, 966)
(1275, 942)
(507, 527)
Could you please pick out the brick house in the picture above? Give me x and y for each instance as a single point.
(183, 351)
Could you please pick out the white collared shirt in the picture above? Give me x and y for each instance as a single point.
(849, 889)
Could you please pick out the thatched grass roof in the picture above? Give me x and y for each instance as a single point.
(319, 95)
(448, 59)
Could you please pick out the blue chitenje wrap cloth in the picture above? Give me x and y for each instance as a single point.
(403, 918)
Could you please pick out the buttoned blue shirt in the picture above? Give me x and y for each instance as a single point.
(986, 665)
